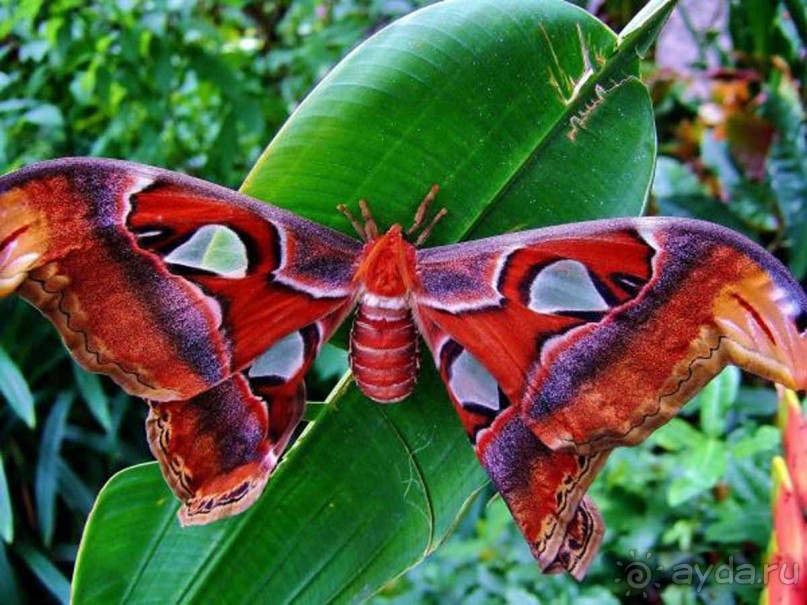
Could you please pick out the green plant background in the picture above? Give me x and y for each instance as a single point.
(201, 87)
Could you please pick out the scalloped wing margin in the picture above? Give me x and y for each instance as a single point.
(560, 344)
(166, 283)
(207, 303)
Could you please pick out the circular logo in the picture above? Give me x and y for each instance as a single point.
(638, 574)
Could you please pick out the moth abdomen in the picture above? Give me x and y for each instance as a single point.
(384, 352)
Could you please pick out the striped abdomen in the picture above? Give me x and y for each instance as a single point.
(384, 352)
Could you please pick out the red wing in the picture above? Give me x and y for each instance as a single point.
(595, 333)
(544, 490)
(168, 284)
(218, 449)
(600, 331)
(206, 302)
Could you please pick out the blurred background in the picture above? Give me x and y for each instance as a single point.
(201, 87)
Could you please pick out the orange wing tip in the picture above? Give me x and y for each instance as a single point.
(22, 243)
(9, 284)
(227, 495)
(14, 268)
(758, 318)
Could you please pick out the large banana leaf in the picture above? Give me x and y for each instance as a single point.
(527, 113)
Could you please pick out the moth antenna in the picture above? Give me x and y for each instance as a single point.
(353, 221)
(423, 208)
(425, 233)
(370, 226)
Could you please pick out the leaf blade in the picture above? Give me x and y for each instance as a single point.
(6, 513)
(16, 391)
(347, 141)
(46, 572)
(47, 468)
(89, 387)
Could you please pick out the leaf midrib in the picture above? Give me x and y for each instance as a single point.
(571, 109)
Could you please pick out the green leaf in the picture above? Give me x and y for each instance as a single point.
(677, 435)
(331, 362)
(674, 178)
(519, 110)
(493, 120)
(45, 115)
(798, 12)
(6, 514)
(752, 24)
(750, 202)
(15, 390)
(645, 27)
(757, 401)
(47, 468)
(787, 167)
(744, 526)
(703, 468)
(678, 192)
(9, 587)
(764, 439)
(91, 391)
(52, 579)
(73, 490)
(752, 480)
(716, 399)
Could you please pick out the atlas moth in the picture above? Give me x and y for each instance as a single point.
(555, 345)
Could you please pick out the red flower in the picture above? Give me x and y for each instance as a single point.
(787, 557)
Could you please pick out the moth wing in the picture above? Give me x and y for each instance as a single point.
(559, 344)
(217, 449)
(167, 283)
(544, 489)
(598, 332)
(208, 303)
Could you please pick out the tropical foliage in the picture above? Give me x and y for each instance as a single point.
(202, 87)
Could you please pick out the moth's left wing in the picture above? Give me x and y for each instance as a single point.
(167, 283)
(207, 303)
(217, 449)
(594, 334)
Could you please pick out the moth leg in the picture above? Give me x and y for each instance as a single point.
(217, 450)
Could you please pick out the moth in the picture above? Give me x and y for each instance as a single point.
(555, 345)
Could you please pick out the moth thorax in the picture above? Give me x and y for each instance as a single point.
(384, 353)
